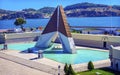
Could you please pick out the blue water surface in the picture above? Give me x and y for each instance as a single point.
(83, 55)
(81, 21)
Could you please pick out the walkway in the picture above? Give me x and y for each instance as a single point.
(11, 68)
(27, 59)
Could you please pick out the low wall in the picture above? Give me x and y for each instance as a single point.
(90, 40)
(94, 37)
(99, 41)
(21, 37)
(97, 64)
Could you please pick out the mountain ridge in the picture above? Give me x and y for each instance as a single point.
(75, 10)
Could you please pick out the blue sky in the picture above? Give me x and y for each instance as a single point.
(21, 4)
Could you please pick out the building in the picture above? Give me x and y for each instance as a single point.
(117, 32)
(115, 57)
(93, 31)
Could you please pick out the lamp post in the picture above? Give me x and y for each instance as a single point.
(5, 46)
(40, 54)
(59, 70)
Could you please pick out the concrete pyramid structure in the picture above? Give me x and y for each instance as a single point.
(57, 27)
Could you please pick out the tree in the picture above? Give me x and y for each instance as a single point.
(71, 71)
(90, 65)
(66, 68)
(20, 22)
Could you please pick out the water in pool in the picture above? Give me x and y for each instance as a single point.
(83, 55)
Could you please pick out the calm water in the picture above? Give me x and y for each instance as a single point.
(89, 21)
(82, 56)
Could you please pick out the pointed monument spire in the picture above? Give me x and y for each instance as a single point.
(52, 24)
(57, 27)
(63, 25)
(58, 21)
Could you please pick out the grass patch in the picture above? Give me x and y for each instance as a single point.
(103, 71)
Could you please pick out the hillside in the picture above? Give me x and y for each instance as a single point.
(92, 10)
(27, 13)
(75, 10)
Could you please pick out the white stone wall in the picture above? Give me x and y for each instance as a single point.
(18, 37)
(96, 37)
(115, 58)
(114, 65)
(22, 35)
(76, 36)
(96, 40)
(80, 39)
(116, 53)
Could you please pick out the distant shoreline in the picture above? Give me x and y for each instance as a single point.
(81, 22)
(67, 17)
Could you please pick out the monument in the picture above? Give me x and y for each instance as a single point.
(57, 27)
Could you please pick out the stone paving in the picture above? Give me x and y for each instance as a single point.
(11, 68)
(45, 65)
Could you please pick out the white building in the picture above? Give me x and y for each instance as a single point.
(115, 57)
(93, 31)
(118, 33)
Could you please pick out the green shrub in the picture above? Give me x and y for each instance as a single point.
(66, 68)
(90, 65)
(20, 22)
(71, 71)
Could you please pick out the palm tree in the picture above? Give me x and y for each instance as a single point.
(20, 22)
